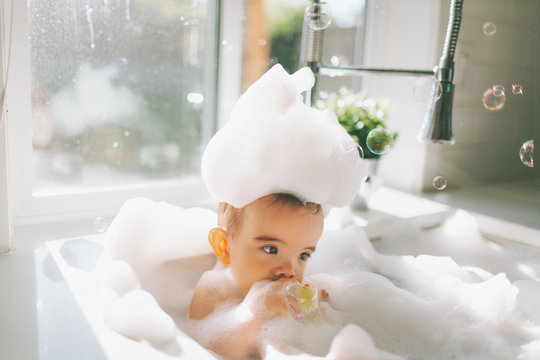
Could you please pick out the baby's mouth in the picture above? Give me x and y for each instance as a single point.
(284, 279)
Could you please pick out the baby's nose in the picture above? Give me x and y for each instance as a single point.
(285, 270)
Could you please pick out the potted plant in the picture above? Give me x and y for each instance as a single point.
(364, 118)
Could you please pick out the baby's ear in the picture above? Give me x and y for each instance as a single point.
(218, 238)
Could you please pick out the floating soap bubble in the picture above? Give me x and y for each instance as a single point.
(318, 16)
(379, 141)
(498, 90)
(489, 28)
(305, 298)
(517, 89)
(339, 60)
(100, 224)
(323, 95)
(526, 153)
(348, 147)
(440, 182)
(262, 42)
(361, 152)
(491, 101)
(115, 144)
(427, 90)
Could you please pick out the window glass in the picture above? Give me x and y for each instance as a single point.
(277, 37)
(122, 91)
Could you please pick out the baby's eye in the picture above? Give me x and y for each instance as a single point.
(304, 256)
(270, 249)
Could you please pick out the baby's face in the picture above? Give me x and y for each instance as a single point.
(274, 241)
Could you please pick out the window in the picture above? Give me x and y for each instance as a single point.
(112, 99)
(120, 90)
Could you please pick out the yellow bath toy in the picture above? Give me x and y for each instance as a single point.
(306, 297)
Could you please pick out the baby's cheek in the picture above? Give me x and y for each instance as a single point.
(300, 271)
(247, 272)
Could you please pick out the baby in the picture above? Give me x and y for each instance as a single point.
(276, 168)
(268, 243)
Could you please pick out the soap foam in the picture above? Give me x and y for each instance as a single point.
(138, 316)
(275, 143)
(421, 306)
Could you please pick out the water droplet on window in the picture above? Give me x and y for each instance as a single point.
(195, 98)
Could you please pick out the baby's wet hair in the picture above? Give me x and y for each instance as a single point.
(231, 218)
(284, 198)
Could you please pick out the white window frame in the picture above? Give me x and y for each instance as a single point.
(6, 224)
(16, 183)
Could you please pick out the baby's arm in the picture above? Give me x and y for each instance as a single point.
(230, 323)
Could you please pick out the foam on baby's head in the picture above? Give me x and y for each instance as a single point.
(274, 143)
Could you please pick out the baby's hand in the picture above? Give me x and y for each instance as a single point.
(275, 304)
(324, 295)
(266, 299)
